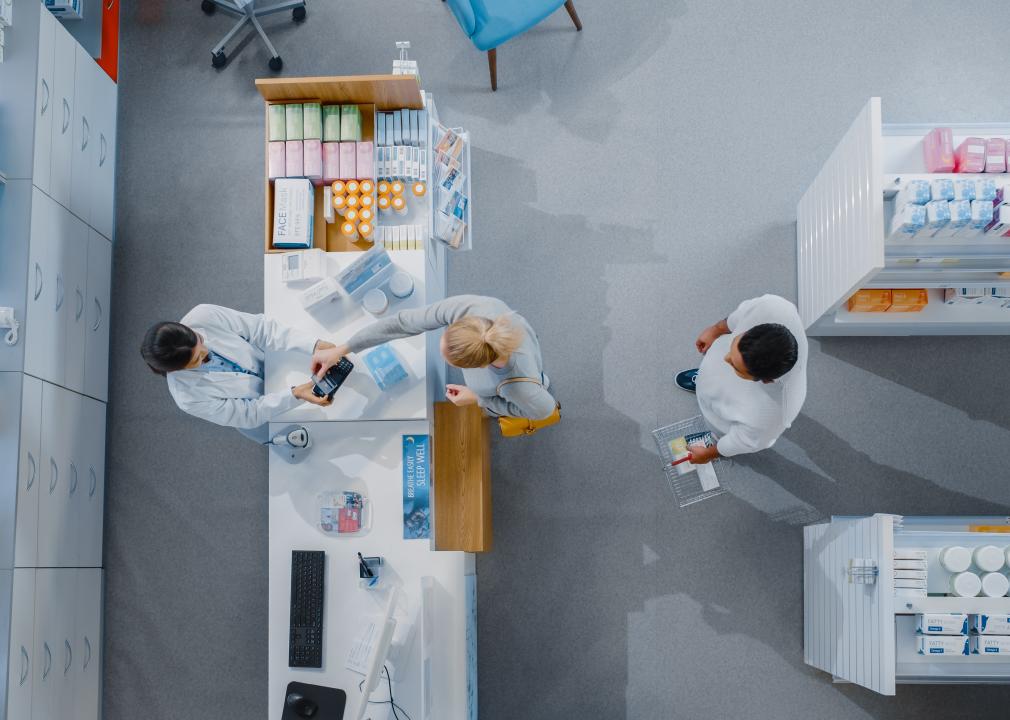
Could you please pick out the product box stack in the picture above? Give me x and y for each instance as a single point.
(401, 139)
(945, 208)
(978, 295)
(990, 635)
(319, 142)
(909, 573)
(942, 634)
(889, 300)
(449, 182)
(975, 571)
(972, 155)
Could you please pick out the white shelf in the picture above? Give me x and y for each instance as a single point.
(902, 147)
(960, 319)
(940, 604)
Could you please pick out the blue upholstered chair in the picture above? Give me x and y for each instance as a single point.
(489, 23)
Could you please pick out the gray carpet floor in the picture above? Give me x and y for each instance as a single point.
(632, 183)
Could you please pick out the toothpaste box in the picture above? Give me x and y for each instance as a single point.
(294, 212)
(989, 644)
(945, 645)
(942, 623)
(990, 624)
(942, 189)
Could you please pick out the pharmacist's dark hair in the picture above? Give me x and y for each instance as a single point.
(168, 346)
(769, 351)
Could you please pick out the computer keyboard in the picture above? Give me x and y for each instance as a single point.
(305, 642)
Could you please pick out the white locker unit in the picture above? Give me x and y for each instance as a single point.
(862, 633)
(22, 660)
(62, 146)
(45, 105)
(29, 474)
(842, 228)
(96, 342)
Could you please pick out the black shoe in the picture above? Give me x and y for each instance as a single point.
(685, 379)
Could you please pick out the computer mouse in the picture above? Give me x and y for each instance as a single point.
(301, 705)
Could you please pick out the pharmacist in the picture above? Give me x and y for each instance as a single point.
(753, 378)
(213, 361)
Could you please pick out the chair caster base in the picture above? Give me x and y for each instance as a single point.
(298, 14)
(276, 63)
(218, 60)
(208, 7)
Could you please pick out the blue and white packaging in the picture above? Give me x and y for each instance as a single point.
(985, 189)
(907, 221)
(384, 367)
(942, 624)
(397, 127)
(415, 128)
(989, 645)
(981, 215)
(990, 624)
(945, 645)
(941, 189)
(294, 213)
(964, 189)
(380, 128)
(960, 215)
(915, 192)
(937, 216)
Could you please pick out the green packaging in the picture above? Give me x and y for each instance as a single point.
(275, 116)
(312, 121)
(293, 121)
(331, 123)
(350, 123)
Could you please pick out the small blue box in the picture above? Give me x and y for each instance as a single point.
(384, 367)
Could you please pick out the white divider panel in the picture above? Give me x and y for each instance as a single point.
(848, 628)
(840, 220)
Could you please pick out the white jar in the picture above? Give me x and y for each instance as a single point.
(988, 558)
(375, 301)
(955, 558)
(995, 584)
(966, 584)
(401, 284)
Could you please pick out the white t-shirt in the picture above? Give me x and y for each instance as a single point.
(751, 415)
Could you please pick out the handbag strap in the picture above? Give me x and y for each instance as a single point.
(503, 383)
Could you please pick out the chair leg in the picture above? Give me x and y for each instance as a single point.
(492, 63)
(570, 7)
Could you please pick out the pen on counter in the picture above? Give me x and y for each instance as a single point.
(364, 566)
(686, 458)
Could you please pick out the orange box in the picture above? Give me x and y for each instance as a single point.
(870, 301)
(905, 300)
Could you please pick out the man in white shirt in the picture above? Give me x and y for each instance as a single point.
(753, 379)
(213, 361)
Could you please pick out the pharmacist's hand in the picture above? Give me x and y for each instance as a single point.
(460, 395)
(304, 392)
(326, 357)
(701, 455)
(708, 336)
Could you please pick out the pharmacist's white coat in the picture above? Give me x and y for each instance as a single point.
(750, 416)
(236, 399)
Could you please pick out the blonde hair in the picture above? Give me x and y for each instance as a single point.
(476, 342)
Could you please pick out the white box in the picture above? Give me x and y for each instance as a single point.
(942, 623)
(989, 644)
(901, 554)
(909, 574)
(944, 645)
(910, 583)
(324, 291)
(303, 265)
(294, 213)
(909, 564)
(329, 214)
(990, 624)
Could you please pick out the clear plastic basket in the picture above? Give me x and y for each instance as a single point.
(685, 482)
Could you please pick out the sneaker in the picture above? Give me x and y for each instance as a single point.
(685, 379)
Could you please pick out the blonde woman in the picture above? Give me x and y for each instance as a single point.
(484, 338)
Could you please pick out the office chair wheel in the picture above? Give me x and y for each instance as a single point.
(208, 7)
(298, 14)
(276, 63)
(218, 59)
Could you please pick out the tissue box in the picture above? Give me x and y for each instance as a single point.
(942, 623)
(363, 159)
(989, 644)
(303, 265)
(937, 216)
(276, 120)
(384, 367)
(938, 150)
(331, 123)
(952, 645)
(995, 155)
(331, 162)
(942, 189)
(348, 161)
(294, 152)
(350, 123)
(915, 192)
(276, 166)
(908, 220)
(871, 301)
(970, 156)
(293, 213)
(293, 121)
(313, 160)
(312, 121)
(990, 624)
(960, 215)
(964, 189)
(324, 291)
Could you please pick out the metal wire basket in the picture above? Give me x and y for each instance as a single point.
(688, 487)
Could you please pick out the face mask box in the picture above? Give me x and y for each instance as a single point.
(989, 645)
(303, 265)
(941, 624)
(943, 645)
(294, 213)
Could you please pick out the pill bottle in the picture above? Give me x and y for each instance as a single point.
(966, 584)
(955, 558)
(995, 584)
(988, 558)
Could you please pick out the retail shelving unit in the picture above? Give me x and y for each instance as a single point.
(862, 633)
(842, 246)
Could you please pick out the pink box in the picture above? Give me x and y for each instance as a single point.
(938, 149)
(995, 155)
(294, 160)
(365, 152)
(331, 161)
(275, 160)
(970, 155)
(348, 161)
(313, 162)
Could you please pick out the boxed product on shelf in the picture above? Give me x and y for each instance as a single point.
(915, 192)
(941, 189)
(989, 644)
(1000, 223)
(350, 123)
(964, 189)
(908, 300)
(938, 150)
(910, 564)
(331, 161)
(944, 645)
(981, 215)
(276, 164)
(293, 121)
(312, 121)
(986, 189)
(937, 216)
(293, 213)
(970, 156)
(911, 574)
(908, 220)
(312, 159)
(331, 123)
(942, 623)
(984, 624)
(870, 300)
(995, 155)
(294, 158)
(276, 123)
(324, 291)
(348, 161)
(960, 215)
(910, 554)
(303, 265)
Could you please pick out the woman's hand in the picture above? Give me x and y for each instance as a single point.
(460, 395)
(326, 357)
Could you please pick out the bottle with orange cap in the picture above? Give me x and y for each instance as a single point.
(419, 189)
(349, 230)
(366, 186)
(396, 187)
(399, 205)
(340, 203)
(365, 230)
(352, 187)
(384, 202)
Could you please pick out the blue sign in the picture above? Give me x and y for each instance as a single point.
(416, 488)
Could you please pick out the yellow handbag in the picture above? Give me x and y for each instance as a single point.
(516, 426)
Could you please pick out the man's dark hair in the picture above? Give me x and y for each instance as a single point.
(769, 351)
(168, 346)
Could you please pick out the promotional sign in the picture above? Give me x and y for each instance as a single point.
(416, 488)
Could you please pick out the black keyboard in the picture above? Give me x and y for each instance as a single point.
(328, 385)
(305, 643)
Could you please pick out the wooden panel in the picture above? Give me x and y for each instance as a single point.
(387, 92)
(462, 479)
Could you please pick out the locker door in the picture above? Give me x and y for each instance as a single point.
(96, 360)
(102, 207)
(69, 646)
(48, 647)
(88, 663)
(93, 491)
(30, 472)
(41, 327)
(64, 66)
(22, 663)
(82, 166)
(76, 276)
(72, 504)
(45, 105)
(60, 408)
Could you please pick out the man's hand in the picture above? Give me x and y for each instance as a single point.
(304, 392)
(708, 336)
(326, 356)
(460, 395)
(701, 455)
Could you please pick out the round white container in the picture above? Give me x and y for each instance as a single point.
(955, 558)
(966, 584)
(375, 301)
(401, 284)
(995, 584)
(1007, 555)
(988, 558)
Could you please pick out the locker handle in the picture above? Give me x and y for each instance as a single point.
(54, 475)
(94, 482)
(66, 117)
(87, 646)
(31, 478)
(59, 291)
(45, 101)
(49, 661)
(70, 657)
(38, 281)
(80, 305)
(85, 132)
(24, 665)
(103, 144)
(98, 320)
(73, 479)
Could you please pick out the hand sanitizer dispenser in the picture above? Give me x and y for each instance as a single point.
(10, 323)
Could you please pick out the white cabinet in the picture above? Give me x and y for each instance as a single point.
(96, 345)
(90, 501)
(22, 660)
(83, 169)
(44, 104)
(29, 474)
(64, 70)
(104, 184)
(45, 325)
(75, 278)
(88, 646)
(62, 414)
